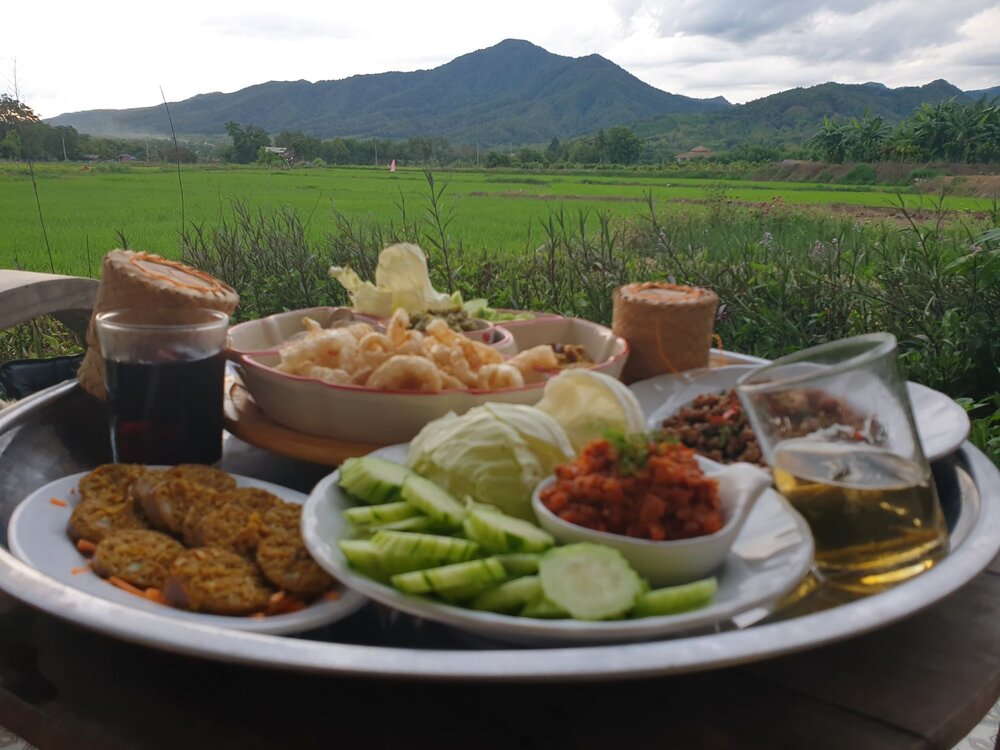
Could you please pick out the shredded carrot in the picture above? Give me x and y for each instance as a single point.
(331, 596)
(86, 546)
(282, 603)
(78, 571)
(126, 586)
(155, 595)
(57, 501)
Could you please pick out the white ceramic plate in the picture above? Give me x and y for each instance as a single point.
(37, 535)
(770, 556)
(942, 424)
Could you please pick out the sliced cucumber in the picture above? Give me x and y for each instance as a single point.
(404, 550)
(454, 577)
(373, 480)
(373, 515)
(510, 597)
(433, 500)
(544, 608)
(416, 523)
(676, 599)
(365, 556)
(520, 563)
(471, 505)
(498, 532)
(590, 581)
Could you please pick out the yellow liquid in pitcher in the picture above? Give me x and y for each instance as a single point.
(875, 517)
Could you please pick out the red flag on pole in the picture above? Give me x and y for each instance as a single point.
(392, 166)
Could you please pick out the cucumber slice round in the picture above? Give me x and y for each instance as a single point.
(675, 599)
(590, 581)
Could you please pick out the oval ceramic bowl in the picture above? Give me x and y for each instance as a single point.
(365, 415)
(355, 413)
(604, 346)
(269, 333)
(669, 563)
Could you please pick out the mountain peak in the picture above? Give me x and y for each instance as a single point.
(512, 92)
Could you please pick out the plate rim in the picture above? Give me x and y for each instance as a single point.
(947, 448)
(316, 615)
(530, 630)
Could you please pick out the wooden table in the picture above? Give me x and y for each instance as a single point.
(924, 682)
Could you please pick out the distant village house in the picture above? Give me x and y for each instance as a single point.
(698, 152)
(285, 153)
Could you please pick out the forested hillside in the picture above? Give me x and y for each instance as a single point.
(514, 92)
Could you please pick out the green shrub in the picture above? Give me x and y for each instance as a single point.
(861, 174)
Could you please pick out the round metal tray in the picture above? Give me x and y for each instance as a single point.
(61, 431)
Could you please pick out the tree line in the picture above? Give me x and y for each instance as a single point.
(23, 136)
(618, 145)
(949, 131)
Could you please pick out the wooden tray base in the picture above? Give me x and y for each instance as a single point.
(242, 417)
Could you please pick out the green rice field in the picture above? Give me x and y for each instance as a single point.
(88, 210)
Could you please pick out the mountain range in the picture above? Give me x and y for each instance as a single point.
(512, 93)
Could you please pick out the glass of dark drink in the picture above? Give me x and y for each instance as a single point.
(836, 426)
(164, 371)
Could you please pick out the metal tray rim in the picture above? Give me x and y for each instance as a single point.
(615, 661)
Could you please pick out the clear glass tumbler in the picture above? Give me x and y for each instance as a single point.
(836, 426)
(164, 372)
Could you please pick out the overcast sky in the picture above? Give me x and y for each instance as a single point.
(117, 55)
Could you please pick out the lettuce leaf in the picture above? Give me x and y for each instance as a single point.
(401, 280)
(496, 453)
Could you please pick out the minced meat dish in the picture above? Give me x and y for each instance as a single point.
(715, 425)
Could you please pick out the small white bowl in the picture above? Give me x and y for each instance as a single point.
(491, 335)
(269, 333)
(608, 350)
(670, 563)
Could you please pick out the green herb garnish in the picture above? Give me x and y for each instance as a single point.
(632, 449)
